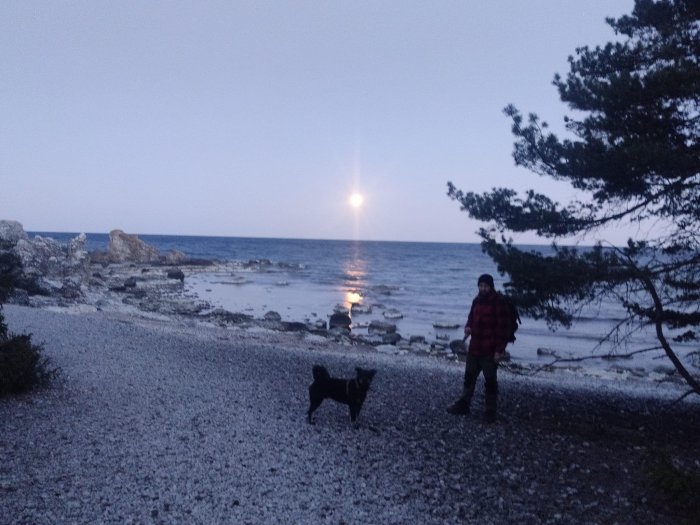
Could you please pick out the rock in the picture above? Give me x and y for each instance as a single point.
(130, 282)
(11, 232)
(340, 320)
(78, 257)
(236, 279)
(71, 288)
(44, 258)
(319, 324)
(182, 307)
(46, 287)
(458, 347)
(391, 339)
(124, 247)
(381, 327)
(40, 256)
(174, 257)
(634, 371)
(341, 309)
(272, 316)
(547, 352)
(20, 297)
(393, 314)
(446, 325)
(258, 264)
(383, 289)
(340, 334)
(357, 308)
(100, 257)
(665, 369)
(176, 273)
(416, 339)
(227, 317)
(294, 326)
(437, 347)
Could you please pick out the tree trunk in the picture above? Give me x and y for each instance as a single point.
(658, 317)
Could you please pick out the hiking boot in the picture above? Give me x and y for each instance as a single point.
(459, 407)
(489, 417)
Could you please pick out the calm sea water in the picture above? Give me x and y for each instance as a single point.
(426, 283)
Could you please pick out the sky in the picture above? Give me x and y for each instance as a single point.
(261, 118)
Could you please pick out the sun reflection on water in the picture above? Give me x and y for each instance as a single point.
(353, 297)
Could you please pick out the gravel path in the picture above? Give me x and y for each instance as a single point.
(163, 423)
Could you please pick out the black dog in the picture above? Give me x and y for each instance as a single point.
(350, 392)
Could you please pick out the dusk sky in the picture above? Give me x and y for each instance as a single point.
(261, 118)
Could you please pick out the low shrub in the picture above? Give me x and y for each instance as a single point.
(678, 486)
(22, 367)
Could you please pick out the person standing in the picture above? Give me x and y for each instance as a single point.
(487, 325)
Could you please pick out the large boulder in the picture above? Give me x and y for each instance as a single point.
(174, 257)
(11, 232)
(78, 257)
(124, 247)
(43, 256)
(340, 320)
(48, 267)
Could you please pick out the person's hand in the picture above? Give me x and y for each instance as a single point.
(467, 332)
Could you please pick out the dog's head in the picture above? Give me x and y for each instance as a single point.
(364, 377)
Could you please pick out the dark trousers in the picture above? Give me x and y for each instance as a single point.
(487, 365)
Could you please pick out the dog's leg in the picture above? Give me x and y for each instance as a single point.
(354, 411)
(315, 400)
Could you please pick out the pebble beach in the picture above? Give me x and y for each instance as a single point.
(156, 420)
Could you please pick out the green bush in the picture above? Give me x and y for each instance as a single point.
(22, 367)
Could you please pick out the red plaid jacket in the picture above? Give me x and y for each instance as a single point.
(488, 322)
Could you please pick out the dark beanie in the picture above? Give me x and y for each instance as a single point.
(486, 278)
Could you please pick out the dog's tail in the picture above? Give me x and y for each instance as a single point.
(320, 373)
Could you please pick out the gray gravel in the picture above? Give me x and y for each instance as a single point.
(155, 422)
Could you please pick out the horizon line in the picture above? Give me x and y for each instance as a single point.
(280, 238)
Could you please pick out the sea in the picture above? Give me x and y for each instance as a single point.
(424, 288)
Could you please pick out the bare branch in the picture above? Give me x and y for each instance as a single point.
(608, 357)
(676, 401)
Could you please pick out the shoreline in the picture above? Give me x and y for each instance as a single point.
(155, 421)
(154, 295)
(556, 378)
(269, 293)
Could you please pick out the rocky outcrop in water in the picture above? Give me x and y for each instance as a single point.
(11, 232)
(124, 247)
(48, 268)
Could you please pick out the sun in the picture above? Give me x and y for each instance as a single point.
(356, 200)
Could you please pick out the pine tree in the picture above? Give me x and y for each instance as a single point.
(632, 151)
